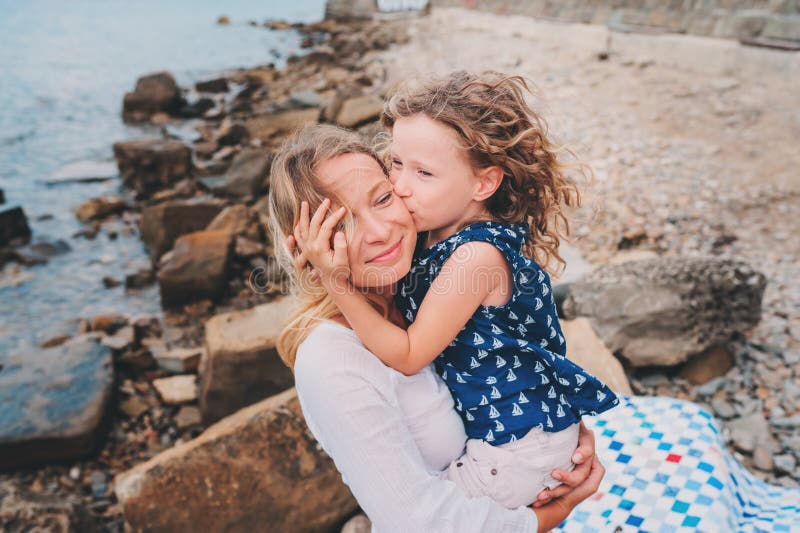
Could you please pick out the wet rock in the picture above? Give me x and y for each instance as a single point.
(180, 360)
(197, 108)
(587, 350)
(38, 253)
(154, 93)
(124, 338)
(196, 268)
(110, 282)
(241, 365)
(177, 389)
(14, 227)
(265, 127)
(662, 311)
(216, 85)
(53, 401)
(161, 224)
(148, 165)
(707, 365)
(2, 197)
(258, 466)
(140, 275)
(99, 208)
(188, 416)
(83, 172)
(248, 175)
(24, 510)
(109, 323)
(358, 524)
(359, 110)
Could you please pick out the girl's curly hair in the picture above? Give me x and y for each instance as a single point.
(498, 127)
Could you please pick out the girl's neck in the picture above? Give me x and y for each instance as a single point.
(471, 215)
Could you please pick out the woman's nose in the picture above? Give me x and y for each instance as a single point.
(376, 229)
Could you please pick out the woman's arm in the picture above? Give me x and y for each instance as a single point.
(465, 280)
(349, 404)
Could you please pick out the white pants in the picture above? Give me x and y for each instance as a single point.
(514, 474)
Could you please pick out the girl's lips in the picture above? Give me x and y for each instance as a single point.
(389, 254)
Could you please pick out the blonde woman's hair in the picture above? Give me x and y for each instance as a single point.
(498, 127)
(293, 179)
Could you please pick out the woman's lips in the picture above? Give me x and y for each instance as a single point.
(389, 254)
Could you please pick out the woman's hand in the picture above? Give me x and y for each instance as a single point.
(555, 512)
(583, 460)
(313, 237)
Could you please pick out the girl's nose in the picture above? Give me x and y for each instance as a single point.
(400, 184)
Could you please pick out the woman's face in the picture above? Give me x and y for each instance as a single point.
(381, 245)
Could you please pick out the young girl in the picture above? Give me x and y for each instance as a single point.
(472, 162)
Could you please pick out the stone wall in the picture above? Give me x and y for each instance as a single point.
(775, 22)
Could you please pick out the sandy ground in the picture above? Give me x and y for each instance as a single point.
(691, 154)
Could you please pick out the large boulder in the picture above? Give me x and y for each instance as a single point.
(662, 311)
(53, 401)
(247, 176)
(162, 223)
(154, 93)
(265, 127)
(240, 365)
(358, 110)
(587, 350)
(14, 226)
(237, 219)
(148, 165)
(196, 268)
(257, 470)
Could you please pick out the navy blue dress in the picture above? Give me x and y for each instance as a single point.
(507, 368)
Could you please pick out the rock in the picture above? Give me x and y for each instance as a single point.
(248, 175)
(358, 110)
(785, 464)
(236, 219)
(245, 247)
(241, 365)
(2, 197)
(586, 349)
(762, 459)
(789, 422)
(161, 224)
(24, 510)
(99, 483)
(265, 127)
(108, 323)
(196, 268)
(177, 389)
(223, 20)
(710, 364)
(180, 360)
(259, 466)
(53, 401)
(216, 85)
(154, 93)
(722, 85)
(148, 165)
(348, 10)
(722, 408)
(38, 253)
(783, 27)
(231, 134)
(305, 99)
(633, 254)
(99, 208)
(110, 283)
(121, 340)
(140, 275)
(749, 431)
(745, 23)
(188, 416)
(14, 226)
(710, 387)
(358, 524)
(662, 311)
(83, 172)
(133, 407)
(197, 108)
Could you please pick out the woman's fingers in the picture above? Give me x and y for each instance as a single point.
(585, 450)
(301, 230)
(326, 229)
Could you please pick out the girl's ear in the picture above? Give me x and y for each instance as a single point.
(489, 179)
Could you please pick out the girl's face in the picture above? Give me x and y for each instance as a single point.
(381, 245)
(431, 172)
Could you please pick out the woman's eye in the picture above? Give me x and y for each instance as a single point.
(396, 163)
(385, 198)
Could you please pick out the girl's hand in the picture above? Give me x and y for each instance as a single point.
(314, 240)
(583, 460)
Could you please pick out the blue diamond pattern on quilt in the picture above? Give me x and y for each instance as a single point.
(667, 471)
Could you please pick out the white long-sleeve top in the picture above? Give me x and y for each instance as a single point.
(389, 436)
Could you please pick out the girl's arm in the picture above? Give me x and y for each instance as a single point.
(465, 280)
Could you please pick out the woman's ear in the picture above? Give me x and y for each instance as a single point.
(489, 179)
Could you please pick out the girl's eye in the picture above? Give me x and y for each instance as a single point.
(385, 198)
(425, 173)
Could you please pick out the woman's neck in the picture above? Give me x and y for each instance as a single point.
(381, 298)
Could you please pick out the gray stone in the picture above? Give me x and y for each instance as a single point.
(306, 99)
(248, 175)
(148, 165)
(722, 408)
(762, 459)
(744, 23)
(241, 365)
(785, 464)
(162, 223)
(747, 432)
(196, 268)
(13, 226)
(53, 401)
(784, 27)
(258, 469)
(710, 387)
(83, 172)
(786, 422)
(662, 311)
(154, 93)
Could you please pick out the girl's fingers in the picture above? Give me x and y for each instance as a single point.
(318, 218)
(333, 219)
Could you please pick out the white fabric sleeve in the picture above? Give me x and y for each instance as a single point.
(350, 407)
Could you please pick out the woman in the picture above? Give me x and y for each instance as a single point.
(388, 434)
